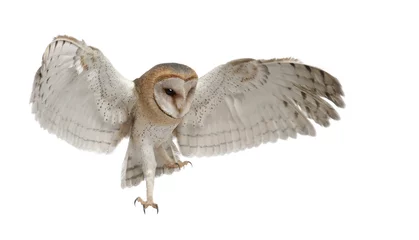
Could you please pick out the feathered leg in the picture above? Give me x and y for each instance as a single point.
(169, 162)
(149, 169)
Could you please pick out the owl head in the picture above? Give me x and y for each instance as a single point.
(169, 86)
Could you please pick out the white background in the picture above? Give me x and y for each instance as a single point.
(358, 179)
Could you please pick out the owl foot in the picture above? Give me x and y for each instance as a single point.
(146, 204)
(177, 164)
(182, 164)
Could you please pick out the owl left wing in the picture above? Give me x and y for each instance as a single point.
(247, 102)
(80, 97)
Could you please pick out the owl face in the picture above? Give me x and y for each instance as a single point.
(174, 96)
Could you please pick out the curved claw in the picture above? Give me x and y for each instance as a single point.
(156, 207)
(178, 165)
(146, 204)
(189, 163)
(135, 201)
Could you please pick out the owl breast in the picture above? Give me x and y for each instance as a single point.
(160, 134)
(148, 132)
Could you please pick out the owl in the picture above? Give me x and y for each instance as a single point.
(169, 111)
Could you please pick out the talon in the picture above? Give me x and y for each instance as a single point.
(146, 204)
(184, 163)
(135, 201)
(172, 165)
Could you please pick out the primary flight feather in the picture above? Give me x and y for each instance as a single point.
(81, 98)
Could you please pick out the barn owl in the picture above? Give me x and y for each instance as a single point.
(168, 112)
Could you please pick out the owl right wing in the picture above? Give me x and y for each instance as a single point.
(80, 97)
(246, 102)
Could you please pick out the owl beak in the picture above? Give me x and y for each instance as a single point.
(179, 103)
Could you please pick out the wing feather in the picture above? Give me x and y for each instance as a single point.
(78, 96)
(248, 102)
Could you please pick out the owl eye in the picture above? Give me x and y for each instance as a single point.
(170, 91)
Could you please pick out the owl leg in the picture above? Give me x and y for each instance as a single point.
(169, 162)
(175, 152)
(149, 170)
(149, 178)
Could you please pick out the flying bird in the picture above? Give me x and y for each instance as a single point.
(169, 111)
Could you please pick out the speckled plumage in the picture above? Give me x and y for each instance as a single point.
(80, 97)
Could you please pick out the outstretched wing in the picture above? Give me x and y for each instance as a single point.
(79, 96)
(247, 102)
